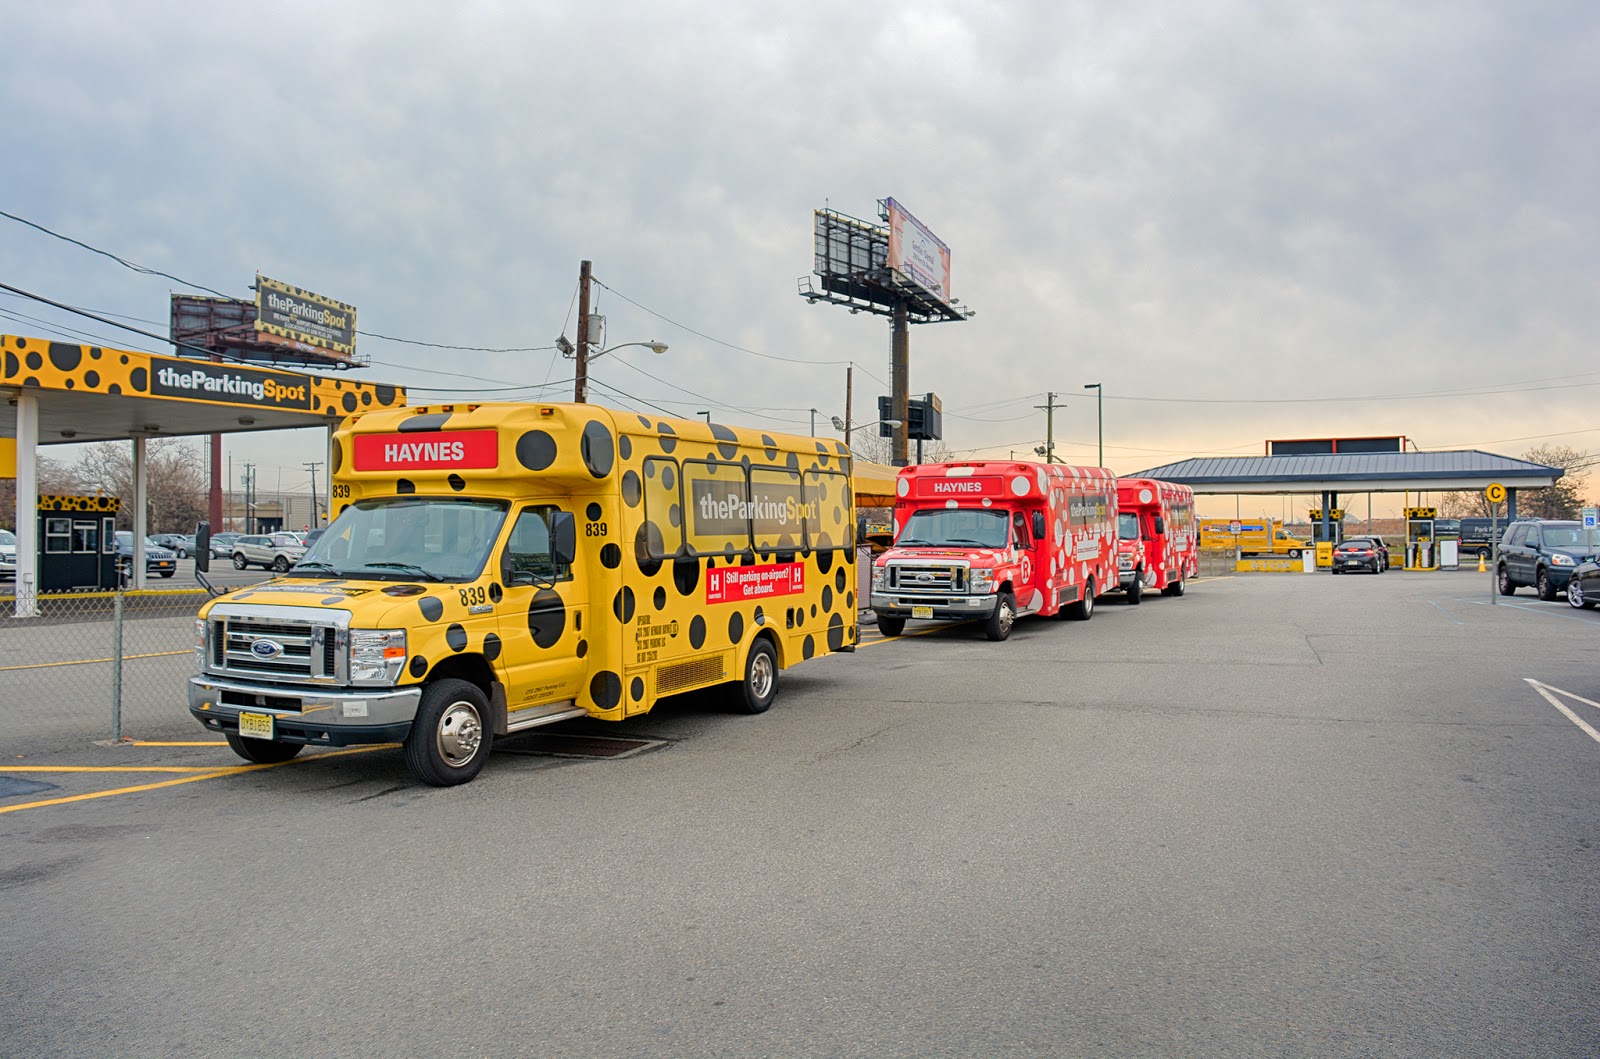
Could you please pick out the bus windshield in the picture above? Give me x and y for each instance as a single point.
(408, 539)
(962, 527)
(1128, 526)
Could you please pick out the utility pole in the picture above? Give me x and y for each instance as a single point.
(1049, 427)
(249, 497)
(312, 467)
(900, 382)
(580, 385)
(849, 383)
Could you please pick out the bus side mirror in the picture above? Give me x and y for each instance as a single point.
(563, 538)
(1040, 530)
(202, 547)
(1161, 526)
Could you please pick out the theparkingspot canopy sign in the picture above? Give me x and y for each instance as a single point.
(229, 384)
(300, 316)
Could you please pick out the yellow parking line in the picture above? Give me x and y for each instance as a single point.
(94, 661)
(120, 768)
(209, 775)
(201, 742)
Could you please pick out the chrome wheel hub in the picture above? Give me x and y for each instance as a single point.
(460, 734)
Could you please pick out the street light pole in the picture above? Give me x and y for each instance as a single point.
(1099, 422)
(813, 422)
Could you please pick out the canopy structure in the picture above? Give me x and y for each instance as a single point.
(1356, 472)
(57, 393)
(873, 483)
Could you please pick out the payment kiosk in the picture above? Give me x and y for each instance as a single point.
(1421, 550)
(78, 539)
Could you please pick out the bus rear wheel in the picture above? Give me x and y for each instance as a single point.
(754, 694)
(1083, 610)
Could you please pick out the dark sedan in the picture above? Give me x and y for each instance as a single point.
(1357, 554)
(1583, 588)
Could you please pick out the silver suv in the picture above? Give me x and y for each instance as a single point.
(276, 551)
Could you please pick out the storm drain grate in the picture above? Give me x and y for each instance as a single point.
(554, 744)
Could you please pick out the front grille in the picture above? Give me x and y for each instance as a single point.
(308, 651)
(928, 577)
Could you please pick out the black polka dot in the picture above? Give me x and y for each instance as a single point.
(669, 437)
(838, 579)
(432, 607)
(669, 480)
(606, 690)
(593, 511)
(827, 597)
(697, 632)
(457, 482)
(424, 422)
(611, 556)
(34, 361)
(625, 447)
(647, 546)
(727, 441)
(385, 394)
(337, 457)
(547, 618)
(491, 647)
(809, 648)
(631, 491)
(496, 593)
(456, 637)
(622, 605)
(419, 665)
(139, 379)
(405, 486)
(348, 401)
(760, 616)
(770, 446)
(825, 560)
(332, 600)
(637, 689)
(536, 450)
(736, 627)
(599, 451)
(64, 357)
(686, 574)
(583, 648)
(674, 516)
(835, 633)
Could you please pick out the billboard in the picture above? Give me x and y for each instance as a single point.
(918, 254)
(301, 316)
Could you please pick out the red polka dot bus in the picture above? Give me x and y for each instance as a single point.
(1157, 543)
(997, 541)
(496, 567)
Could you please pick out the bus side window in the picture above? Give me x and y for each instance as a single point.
(527, 556)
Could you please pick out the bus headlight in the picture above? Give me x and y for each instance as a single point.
(199, 645)
(880, 578)
(376, 655)
(982, 583)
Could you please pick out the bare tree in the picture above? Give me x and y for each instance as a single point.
(1565, 498)
(177, 479)
(53, 476)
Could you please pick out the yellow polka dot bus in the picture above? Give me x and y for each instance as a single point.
(496, 567)
(996, 541)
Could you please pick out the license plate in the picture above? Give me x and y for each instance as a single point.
(255, 725)
(922, 612)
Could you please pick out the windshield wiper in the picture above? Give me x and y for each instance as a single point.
(312, 566)
(408, 567)
(969, 540)
(911, 540)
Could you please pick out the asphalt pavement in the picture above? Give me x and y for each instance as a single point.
(1285, 815)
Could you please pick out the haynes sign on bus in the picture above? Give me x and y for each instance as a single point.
(496, 567)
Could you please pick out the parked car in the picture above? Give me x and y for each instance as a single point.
(276, 551)
(185, 546)
(157, 559)
(1542, 553)
(8, 554)
(222, 544)
(1357, 553)
(1583, 587)
(310, 536)
(1377, 543)
(173, 542)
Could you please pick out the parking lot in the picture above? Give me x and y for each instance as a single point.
(1281, 815)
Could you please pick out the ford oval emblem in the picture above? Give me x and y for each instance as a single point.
(924, 579)
(266, 649)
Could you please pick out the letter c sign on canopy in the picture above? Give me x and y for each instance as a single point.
(1495, 493)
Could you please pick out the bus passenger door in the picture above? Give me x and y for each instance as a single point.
(544, 616)
(1030, 580)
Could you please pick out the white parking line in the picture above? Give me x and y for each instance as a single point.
(1546, 689)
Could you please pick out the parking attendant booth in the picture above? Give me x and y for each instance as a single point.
(78, 542)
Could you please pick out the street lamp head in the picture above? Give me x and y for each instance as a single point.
(1091, 386)
(656, 347)
(564, 345)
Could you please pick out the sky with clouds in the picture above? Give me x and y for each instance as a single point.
(1245, 220)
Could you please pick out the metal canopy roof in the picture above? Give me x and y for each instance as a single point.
(96, 393)
(1355, 472)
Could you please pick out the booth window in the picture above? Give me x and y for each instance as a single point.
(85, 538)
(108, 535)
(58, 536)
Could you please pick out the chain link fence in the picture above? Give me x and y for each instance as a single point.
(96, 666)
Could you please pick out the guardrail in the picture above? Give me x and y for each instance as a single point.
(95, 666)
